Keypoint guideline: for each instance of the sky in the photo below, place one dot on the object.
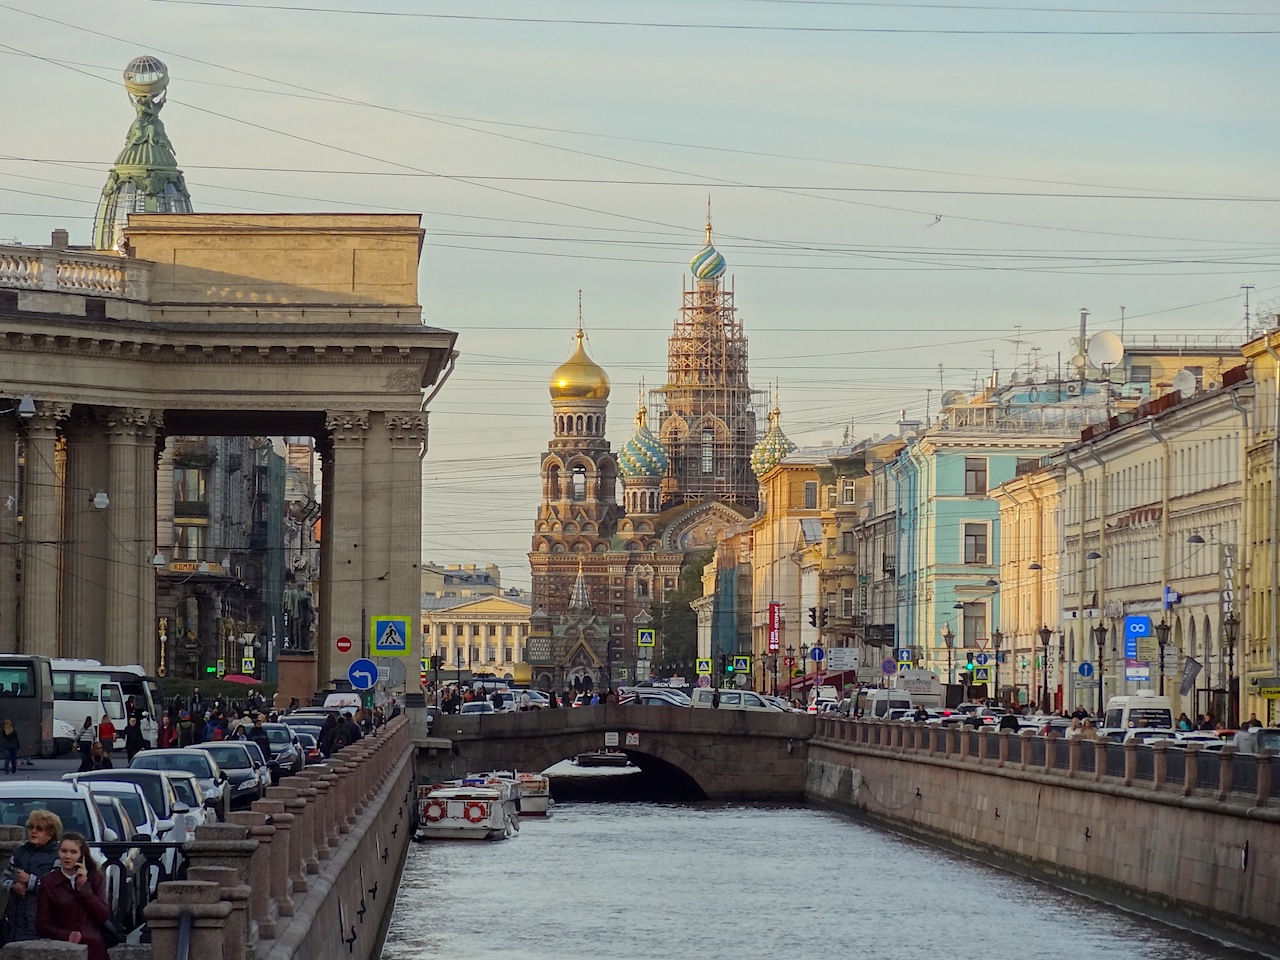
(908, 195)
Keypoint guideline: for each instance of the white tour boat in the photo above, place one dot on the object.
(534, 793)
(464, 813)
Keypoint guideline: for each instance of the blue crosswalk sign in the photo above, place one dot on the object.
(389, 636)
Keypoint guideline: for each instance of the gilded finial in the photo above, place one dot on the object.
(708, 218)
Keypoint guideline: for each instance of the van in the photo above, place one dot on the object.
(876, 704)
(343, 702)
(1143, 709)
(732, 699)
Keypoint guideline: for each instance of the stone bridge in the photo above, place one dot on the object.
(717, 754)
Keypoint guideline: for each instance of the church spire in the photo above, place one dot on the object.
(580, 599)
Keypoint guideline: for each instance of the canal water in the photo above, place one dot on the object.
(639, 881)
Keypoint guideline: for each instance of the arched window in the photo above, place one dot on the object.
(708, 451)
(579, 483)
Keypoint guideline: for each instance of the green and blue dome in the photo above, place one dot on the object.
(707, 263)
(643, 457)
(772, 448)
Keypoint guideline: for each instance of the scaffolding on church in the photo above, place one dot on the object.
(707, 412)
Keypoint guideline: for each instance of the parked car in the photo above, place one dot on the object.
(311, 752)
(130, 862)
(75, 807)
(204, 809)
(213, 781)
(146, 823)
(479, 706)
(263, 768)
(175, 818)
(286, 756)
(237, 763)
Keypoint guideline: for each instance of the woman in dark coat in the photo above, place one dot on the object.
(27, 865)
(72, 905)
(133, 739)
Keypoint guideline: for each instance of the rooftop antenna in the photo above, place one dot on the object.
(1246, 287)
(928, 396)
(1122, 323)
(940, 383)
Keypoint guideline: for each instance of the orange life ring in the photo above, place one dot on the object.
(433, 811)
(475, 811)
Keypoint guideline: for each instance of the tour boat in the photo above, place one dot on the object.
(463, 813)
(534, 796)
(602, 758)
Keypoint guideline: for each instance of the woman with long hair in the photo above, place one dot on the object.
(72, 905)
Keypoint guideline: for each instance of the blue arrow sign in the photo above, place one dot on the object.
(1085, 669)
(981, 659)
(817, 654)
(363, 674)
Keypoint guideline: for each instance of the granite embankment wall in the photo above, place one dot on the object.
(1095, 817)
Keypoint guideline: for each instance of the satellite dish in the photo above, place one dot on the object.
(955, 398)
(1184, 381)
(1105, 349)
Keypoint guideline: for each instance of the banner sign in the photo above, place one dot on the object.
(1190, 670)
(775, 624)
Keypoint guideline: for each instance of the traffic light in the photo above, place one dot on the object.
(728, 664)
(824, 618)
(969, 662)
(813, 616)
(724, 664)
(211, 669)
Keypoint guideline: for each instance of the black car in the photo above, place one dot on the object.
(241, 770)
(286, 754)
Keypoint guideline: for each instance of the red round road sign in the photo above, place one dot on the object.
(344, 644)
(788, 661)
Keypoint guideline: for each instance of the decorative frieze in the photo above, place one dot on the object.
(347, 426)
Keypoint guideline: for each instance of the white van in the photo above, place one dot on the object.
(1143, 709)
(343, 701)
(875, 704)
(732, 699)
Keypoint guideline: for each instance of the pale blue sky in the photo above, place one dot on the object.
(829, 153)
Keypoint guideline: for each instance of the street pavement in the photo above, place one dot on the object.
(34, 768)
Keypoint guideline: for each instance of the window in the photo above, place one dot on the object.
(708, 451)
(975, 623)
(846, 542)
(846, 602)
(975, 543)
(850, 492)
(493, 629)
(189, 485)
(188, 541)
(811, 495)
(1026, 465)
(579, 483)
(509, 655)
(1140, 373)
(642, 588)
(975, 476)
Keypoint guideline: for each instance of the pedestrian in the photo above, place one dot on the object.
(258, 734)
(72, 905)
(1184, 722)
(133, 739)
(168, 733)
(88, 736)
(27, 865)
(1253, 723)
(186, 730)
(9, 742)
(107, 734)
(197, 703)
(99, 759)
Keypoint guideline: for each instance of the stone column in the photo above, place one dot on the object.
(335, 812)
(210, 912)
(1100, 757)
(342, 590)
(84, 572)
(281, 888)
(407, 433)
(1073, 756)
(146, 642)
(260, 901)
(1191, 770)
(10, 499)
(235, 942)
(303, 825)
(40, 534)
(1226, 767)
(131, 578)
(319, 812)
(1160, 762)
(1003, 748)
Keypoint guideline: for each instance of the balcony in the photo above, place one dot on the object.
(888, 564)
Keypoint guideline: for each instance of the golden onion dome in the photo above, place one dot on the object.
(579, 377)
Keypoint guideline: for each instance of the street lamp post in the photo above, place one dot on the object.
(1162, 639)
(774, 657)
(1045, 636)
(791, 670)
(1100, 636)
(1231, 632)
(804, 662)
(949, 640)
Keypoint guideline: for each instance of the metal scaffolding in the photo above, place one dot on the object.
(707, 412)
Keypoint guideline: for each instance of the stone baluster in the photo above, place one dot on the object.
(260, 902)
(1073, 756)
(1263, 793)
(348, 804)
(235, 939)
(281, 853)
(304, 827)
(299, 832)
(335, 813)
(982, 747)
(203, 900)
(1024, 748)
(1191, 772)
(1003, 748)
(1160, 765)
(1100, 757)
(1051, 750)
(223, 845)
(1226, 769)
(1130, 762)
(319, 814)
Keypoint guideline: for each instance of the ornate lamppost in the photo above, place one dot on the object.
(996, 639)
(1045, 636)
(1231, 632)
(1100, 636)
(949, 641)
(1162, 640)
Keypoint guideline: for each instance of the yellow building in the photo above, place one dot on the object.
(483, 635)
(1260, 667)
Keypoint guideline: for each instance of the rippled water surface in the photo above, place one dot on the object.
(647, 880)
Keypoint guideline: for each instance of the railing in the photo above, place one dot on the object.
(1189, 771)
(64, 271)
(139, 869)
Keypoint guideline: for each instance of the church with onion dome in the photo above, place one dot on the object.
(615, 529)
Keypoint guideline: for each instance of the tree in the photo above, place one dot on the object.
(676, 622)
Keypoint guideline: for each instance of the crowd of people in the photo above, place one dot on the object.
(453, 697)
(56, 890)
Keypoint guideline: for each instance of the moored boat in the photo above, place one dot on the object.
(534, 797)
(463, 813)
(602, 758)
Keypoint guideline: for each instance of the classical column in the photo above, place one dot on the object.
(40, 531)
(408, 438)
(342, 583)
(131, 528)
(84, 571)
(8, 529)
(146, 649)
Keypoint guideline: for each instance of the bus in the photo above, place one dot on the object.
(26, 698)
(88, 688)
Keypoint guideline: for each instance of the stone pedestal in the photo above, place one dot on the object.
(297, 676)
(236, 931)
(209, 913)
(260, 903)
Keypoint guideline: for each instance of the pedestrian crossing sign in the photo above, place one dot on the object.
(645, 637)
(981, 674)
(704, 668)
(246, 665)
(741, 664)
(389, 636)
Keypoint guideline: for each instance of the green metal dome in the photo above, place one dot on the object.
(145, 178)
(773, 447)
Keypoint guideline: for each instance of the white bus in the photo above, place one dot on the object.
(87, 688)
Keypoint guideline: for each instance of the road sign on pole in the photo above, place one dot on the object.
(389, 636)
(363, 674)
(343, 644)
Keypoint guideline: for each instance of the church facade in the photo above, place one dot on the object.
(615, 529)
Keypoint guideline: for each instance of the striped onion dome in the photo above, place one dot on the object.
(643, 456)
(707, 263)
(772, 448)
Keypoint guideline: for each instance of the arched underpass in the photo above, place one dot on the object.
(648, 778)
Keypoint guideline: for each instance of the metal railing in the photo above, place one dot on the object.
(139, 869)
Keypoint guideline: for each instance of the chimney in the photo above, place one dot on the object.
(60, 239)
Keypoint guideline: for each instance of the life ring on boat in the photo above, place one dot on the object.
(475, 812)
(433, 811)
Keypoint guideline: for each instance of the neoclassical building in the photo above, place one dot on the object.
(599, 562)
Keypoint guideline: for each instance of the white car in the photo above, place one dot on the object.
(213, 781)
